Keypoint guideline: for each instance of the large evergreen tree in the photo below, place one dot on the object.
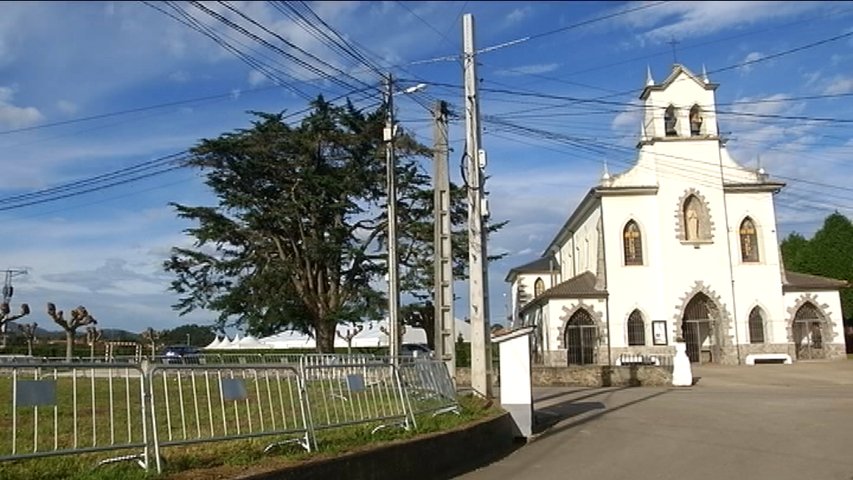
(828, 254)
(298, 234)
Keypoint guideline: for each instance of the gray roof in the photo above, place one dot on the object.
(540, 265)
(802, 281)
(580, 286)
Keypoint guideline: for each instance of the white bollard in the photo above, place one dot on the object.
(682, 374)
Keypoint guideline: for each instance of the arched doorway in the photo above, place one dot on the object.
(698, 329)
(581, 337)
(808, 334)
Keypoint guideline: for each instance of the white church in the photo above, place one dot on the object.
(683, 246)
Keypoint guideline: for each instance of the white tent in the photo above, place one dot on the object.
(250, 343)
(224, 344)
(371, 335)
(216, 343)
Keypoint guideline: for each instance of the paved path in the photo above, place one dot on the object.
(751, 423)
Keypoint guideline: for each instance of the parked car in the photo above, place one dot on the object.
(416, 350)
(181, 354)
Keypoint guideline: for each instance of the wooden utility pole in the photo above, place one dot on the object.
(477, 261)
(445, 324)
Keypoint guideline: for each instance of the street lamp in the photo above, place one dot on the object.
(393, 259)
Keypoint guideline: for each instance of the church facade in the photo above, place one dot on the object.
(683, 246)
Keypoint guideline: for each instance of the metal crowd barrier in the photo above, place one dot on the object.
(343, 394)
(59, 408)
(71, 408)
(206, 403)
(428, 387)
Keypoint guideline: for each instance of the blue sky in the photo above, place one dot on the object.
(62, 62)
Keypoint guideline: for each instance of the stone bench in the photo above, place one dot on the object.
(754, 358)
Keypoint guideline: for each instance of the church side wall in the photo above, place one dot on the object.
(585, 246)
(634, 286)
(527, 281)
(757, 284)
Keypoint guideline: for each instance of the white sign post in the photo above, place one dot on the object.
(515, 378)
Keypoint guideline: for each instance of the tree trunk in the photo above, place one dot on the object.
(325, 332)
(69, 345)
(29, 347)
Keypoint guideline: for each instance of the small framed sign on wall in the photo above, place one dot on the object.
(659, 332)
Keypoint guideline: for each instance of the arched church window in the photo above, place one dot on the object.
(756, 326)
(538, 287)
(636, 329)
(694, 213)
(670, 120)
(633, 242)
(748, 241)
(695, 121)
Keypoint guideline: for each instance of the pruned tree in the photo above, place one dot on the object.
(80, 317)
(93, 335)
(7, 317)
(350, 335)
(151, 337)
(29, 330)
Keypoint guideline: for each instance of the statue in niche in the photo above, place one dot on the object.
(695, 121)
(692, 222)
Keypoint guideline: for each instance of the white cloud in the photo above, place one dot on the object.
(535, 69)
(838, 85)
(180, 76)
(750, 57)
(682, 20)
(257, 78)
(12, 116)
(631, 118)
(65, 106)
(518, 15)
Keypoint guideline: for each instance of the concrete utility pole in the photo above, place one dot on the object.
(393, 259)
(481, 380)
(445, 325)
(8, 291)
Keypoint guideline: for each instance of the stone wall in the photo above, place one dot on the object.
(587, 376)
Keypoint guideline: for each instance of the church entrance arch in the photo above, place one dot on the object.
(581, 338)
(698, 329)
(808, 332)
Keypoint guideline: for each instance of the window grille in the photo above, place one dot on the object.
(756, 326)
(636, 329)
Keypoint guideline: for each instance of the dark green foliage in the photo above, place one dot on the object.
(198, 335)
(298, 234)
(827, 254)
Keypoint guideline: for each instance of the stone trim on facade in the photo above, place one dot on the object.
(827, 326)
(706, 223)
(600, 325)
(721, 322)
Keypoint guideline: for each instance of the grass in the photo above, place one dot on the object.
(214, 417)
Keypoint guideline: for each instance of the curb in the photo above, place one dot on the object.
(434, 456)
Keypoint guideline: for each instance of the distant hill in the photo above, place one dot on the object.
(112, 334)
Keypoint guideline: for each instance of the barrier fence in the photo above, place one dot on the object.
(62, 408)
(140, 410)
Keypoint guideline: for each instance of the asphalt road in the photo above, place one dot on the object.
(763, 422)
